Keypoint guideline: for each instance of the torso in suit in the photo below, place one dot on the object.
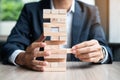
(29, 27)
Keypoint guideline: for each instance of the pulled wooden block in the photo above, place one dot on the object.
(69, 50)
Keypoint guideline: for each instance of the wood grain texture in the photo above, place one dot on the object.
(58, 37)
(55, 59)
(75, 71)
(55, 42)
(49, 25)
(45, 16)
(58, 56)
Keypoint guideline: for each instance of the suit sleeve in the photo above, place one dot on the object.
(97, 32)
(19, 38)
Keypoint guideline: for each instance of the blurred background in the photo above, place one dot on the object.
(109, 13)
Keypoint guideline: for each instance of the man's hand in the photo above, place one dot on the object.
(27, 58)
(88, 51)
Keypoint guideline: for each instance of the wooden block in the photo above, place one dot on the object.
(63, 29)
(54, 25)
(54, 29)
(52, 56)
(61, 20)
(47, 25)
(55, 34)
(55, 42)
(55, 38)
(62, 38)
(47, 29)
(56, 56)
(54, 64)
(62, 11)
(51, 47)
(57, 65)
(55, 60)
(57, 51)
(62, 64)
(69, 50)
(45, 16)
(61, 51)
(56, 11)
(55, 69)
(53, 20)
(46, 11)
(58, 20)
(61, 56)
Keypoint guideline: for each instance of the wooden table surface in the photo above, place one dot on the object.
(75, 71)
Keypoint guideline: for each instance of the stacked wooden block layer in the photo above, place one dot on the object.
(55, 27)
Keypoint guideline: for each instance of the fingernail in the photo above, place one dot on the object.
(45, 63)
(48, 53)
(73, 47)
(43, 44)
(76, 56)
(73, 51)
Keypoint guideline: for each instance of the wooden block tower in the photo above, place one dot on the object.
(55, 27)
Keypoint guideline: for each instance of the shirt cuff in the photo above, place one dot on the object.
(105, 52)
(14, 55)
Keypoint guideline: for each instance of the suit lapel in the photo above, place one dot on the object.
(44, 4)
(77, 24)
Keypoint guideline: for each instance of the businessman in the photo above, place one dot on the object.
(85, 35)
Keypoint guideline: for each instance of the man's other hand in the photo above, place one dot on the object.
(28, 58)
(88, 51)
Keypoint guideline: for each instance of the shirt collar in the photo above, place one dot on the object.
(72, 9)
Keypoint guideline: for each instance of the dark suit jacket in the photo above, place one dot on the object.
(29, 27)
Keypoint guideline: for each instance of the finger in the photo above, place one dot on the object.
(37, 45)
(38, 68)
(85, 44)
(94, 59)
(88, 55)
(42, 53)
(89, 49)
(40, 63)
